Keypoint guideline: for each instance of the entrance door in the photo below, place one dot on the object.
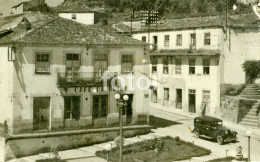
(72, 107)
(192, 101)
(100, 110)
(41, 113)
(206, 101)
(178, 98)
(129, 109)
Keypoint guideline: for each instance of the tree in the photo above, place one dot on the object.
(252, 69)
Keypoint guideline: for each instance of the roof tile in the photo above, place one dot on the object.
(64, 31)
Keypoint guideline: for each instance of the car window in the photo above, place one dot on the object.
(215, 124)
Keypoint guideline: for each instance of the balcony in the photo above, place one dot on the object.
(83, 79)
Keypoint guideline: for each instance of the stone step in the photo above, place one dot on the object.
(250, 85)
(251, 117)
(250, 93)
(250, 120)
(249, 124)
(250, 96)
(250, 89)
(251, 113)
(254, 110)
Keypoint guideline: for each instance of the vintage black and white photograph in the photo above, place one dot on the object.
(129, 80)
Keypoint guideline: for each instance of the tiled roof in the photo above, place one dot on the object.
(9, 30)
(190, 23)
(185, 52)
(80, 9)
(64, 31)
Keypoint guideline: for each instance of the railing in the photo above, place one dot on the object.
(83, 78)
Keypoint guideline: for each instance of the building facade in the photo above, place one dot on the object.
(83, 14)
(185, 67)
(194, 61)
(55, 81)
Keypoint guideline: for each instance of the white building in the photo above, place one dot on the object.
(82, 15)
(193, 60)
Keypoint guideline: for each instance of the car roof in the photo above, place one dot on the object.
(208, 118)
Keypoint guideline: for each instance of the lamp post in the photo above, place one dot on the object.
(248, 134)
(121, 103)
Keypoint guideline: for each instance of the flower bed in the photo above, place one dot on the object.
(158, 149)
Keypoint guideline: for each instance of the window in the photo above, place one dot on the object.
(42, 63)
(166, 40)
(165, 65)
(207, 39)
(72, 107)
(127, 63)
(206, 66)
(73, 16)
(154, 62)
(191, 66)
(178, 63)
(179, 40)
(144, 38)
(100, 106)
(154, 95)
(100, 62)
(72, 67)
(166, 94)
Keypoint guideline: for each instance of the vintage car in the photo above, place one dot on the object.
(210, 127)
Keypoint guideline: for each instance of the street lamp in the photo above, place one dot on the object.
(121, 103)
(248, 134)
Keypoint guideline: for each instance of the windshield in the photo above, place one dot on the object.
(216, 123)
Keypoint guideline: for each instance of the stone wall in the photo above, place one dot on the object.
(25, 145)
(233, 109)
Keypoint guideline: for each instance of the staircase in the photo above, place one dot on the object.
(251, 118)
(250, 91)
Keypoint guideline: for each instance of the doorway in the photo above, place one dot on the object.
(129, 109)
(155, 42)
(41, 113)
(179, 98)
(193, 41)
(100, 110)
(192, 101)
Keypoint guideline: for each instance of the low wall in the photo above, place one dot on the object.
(30, 144)
(234, 109)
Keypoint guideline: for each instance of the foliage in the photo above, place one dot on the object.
(158, 149)
(226, 159)
(171, 8)
(252, 69)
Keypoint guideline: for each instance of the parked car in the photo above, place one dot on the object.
(210, 127)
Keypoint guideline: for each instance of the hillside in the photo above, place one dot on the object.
(120, 10)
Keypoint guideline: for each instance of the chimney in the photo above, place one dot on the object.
(24, 25)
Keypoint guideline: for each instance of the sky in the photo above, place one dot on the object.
(6, 5)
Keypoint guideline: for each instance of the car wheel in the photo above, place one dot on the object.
(197, 134)
(220, 139)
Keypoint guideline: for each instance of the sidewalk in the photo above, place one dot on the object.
(186, 115)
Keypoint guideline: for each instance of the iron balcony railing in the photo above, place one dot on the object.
(83, 78)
